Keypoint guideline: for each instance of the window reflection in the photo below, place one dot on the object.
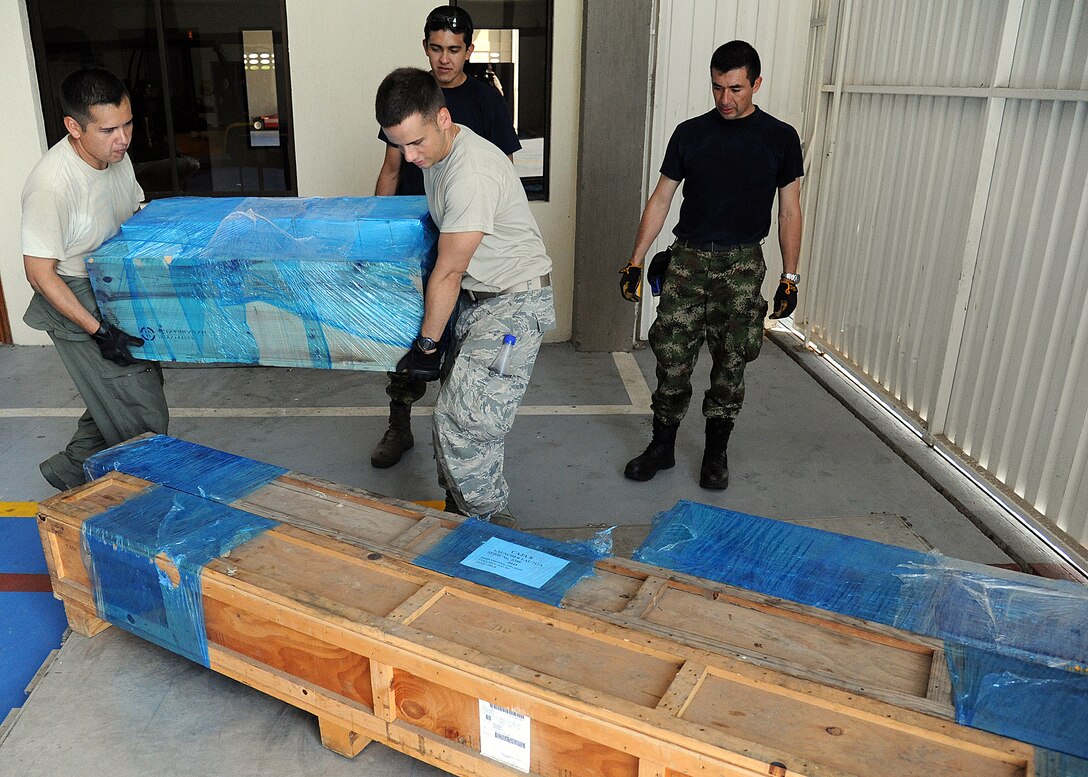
(512, 51)
(193, 98)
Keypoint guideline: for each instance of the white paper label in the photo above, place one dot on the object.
(504, 736)
(522, 565)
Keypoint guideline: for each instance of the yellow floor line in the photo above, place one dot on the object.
(434, 504)
(20, 509)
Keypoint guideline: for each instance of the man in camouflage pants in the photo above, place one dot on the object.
(491, 261)
(732, 160)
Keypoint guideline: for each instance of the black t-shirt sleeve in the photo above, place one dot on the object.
(793, 163)
(382, 137)
(673, 165)
(500, 130)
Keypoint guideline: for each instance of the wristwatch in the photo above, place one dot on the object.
(791, 276)
(425, 344)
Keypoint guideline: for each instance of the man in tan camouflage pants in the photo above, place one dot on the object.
(732, 160)
(491, 260)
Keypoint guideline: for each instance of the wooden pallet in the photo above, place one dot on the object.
(640, 673)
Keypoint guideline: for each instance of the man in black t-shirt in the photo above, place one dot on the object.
(732, 160)
(447, 41)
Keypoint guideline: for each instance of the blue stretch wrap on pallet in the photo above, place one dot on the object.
(521, 552)
(320, 282)
(130, 589)
(184, 466)
(1018, 645)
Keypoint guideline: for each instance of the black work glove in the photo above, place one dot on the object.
(113, 342)
(785, 299)
(630, 281)
(418, 365)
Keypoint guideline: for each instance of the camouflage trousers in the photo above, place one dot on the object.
(475, 408)
(712, 296)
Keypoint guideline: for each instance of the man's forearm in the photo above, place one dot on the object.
(438, 304)
(386, 185)
(653, 217)
(789, 241)
(50, 285)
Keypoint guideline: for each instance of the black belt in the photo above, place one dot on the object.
(543, 282)
(712, 246)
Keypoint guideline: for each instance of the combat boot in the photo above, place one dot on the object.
(450, 505)
(659, 454)
(714, 473)
(397, 438)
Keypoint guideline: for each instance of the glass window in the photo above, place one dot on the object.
(208, 82)
(512, 51)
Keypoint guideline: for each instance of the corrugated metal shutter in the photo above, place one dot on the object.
(947, 261)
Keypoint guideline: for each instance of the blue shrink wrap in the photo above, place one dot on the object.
(320, 282)
(184, 466)
(124, 545)
(1016, 645)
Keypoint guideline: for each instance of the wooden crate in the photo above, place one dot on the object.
(638, 675)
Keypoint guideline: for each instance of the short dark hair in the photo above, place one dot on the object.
(406, 91)
(452, 18)
(734, 54)
(91, 86)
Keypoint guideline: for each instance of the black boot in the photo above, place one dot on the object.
(451, 504)
(658, 454)
(397, 438)
(714, 473)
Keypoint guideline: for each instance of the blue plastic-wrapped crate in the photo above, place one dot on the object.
(317, 282)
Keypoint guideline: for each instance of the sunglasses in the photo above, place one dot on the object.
(442, 19)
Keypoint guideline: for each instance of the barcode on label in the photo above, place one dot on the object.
(510, 740)
(517, 715)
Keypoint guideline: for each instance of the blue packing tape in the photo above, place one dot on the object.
(132, 592)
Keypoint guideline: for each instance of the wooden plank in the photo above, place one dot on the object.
(405, 657)
(341, 739)
(683, 688)
(646, 599)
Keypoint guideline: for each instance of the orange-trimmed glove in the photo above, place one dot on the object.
(631, 282)
(785, 298)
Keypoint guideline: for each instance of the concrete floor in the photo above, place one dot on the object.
(130, 708)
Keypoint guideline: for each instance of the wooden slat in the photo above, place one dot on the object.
(646, 598)
(683, 688)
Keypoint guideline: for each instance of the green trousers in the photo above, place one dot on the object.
(122, 402)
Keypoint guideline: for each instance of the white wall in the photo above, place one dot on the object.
(22, 137)
(338, 50)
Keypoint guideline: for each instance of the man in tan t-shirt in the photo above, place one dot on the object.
(491, 260)
(75, 198)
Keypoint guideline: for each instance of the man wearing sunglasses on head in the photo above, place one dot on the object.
(447, 41)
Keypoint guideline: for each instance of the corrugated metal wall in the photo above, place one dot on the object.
(688, 31)
(947, 261)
